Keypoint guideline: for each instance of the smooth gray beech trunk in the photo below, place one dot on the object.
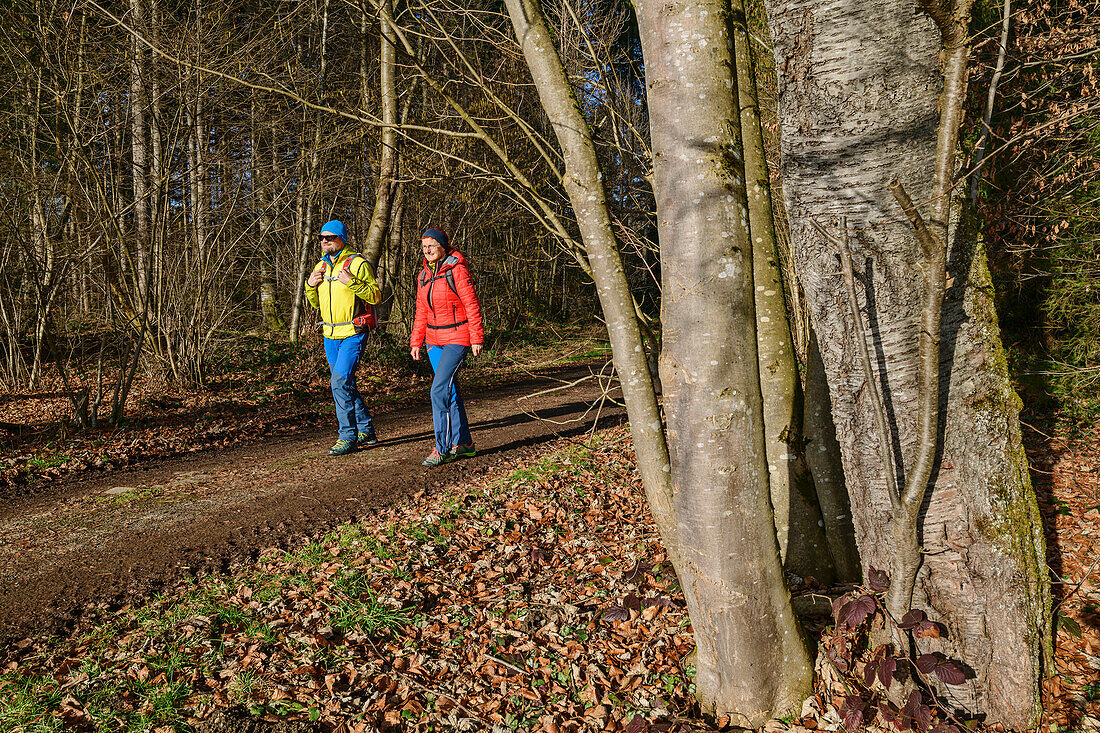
(798, 523)
(584, 184)
(859, 92)
(387, 167)
(751, 658)
(712, 509)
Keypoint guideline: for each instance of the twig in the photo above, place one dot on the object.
(987, 130)
(886, 455)
(512, 667)
(924, 236)
(555, 389)
(1077, 587)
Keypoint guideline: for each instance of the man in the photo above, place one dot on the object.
(342, 287)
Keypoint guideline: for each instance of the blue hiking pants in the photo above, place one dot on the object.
(351, 411)
(448, 412)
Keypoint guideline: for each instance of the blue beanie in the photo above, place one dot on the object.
(337, 228)
(438, 235)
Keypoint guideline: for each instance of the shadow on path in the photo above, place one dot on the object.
(119, 536)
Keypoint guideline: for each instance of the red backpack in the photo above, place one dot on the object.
(365, 319)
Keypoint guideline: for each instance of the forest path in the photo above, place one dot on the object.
(116, 537)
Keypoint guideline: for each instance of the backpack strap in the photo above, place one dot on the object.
(347, 263)
(448, 276)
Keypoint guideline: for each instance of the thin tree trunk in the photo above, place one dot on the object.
(138, 155)
(395, 304)
(383, 195)
(584, 185)
(42, 246)
(798, 523)
(305, 244)
(309, 191)
(156, 176)
(264, 196)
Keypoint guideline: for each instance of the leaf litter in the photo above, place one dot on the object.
(1067, 483)
(541, 601)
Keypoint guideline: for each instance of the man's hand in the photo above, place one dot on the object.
(344, 276)
(475, 349)
(316, 277)
(415, 352)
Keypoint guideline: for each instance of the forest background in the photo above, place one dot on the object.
(170, 165)
(156, 200)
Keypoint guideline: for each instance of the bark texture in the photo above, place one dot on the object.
(584, 184)
(751, 659)
(859, 86)
(798, 522)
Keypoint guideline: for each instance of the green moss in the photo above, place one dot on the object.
(731, 163)
(1014, 526)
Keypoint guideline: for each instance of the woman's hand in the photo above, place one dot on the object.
(475, 349)
(415, 352)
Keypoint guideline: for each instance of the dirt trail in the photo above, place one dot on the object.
(119, 535)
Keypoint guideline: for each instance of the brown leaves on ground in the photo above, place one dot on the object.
(1068, 486)
(543, 601)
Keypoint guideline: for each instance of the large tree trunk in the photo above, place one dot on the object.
(859, 88)
(752, 661)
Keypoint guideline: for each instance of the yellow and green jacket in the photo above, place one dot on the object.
(339, 303)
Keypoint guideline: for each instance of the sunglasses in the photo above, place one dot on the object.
(328, 237)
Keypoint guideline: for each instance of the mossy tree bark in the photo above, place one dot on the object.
(860, 87)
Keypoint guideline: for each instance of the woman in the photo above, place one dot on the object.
(448, 320)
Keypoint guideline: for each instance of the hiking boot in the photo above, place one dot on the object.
(342, 447)
(462, 451)
(368, 439)
(435, 458)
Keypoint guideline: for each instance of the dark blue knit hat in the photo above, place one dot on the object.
(438, 235)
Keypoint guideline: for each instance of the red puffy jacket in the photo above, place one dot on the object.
(447, 311)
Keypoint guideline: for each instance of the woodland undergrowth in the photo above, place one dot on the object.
(539, 598)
